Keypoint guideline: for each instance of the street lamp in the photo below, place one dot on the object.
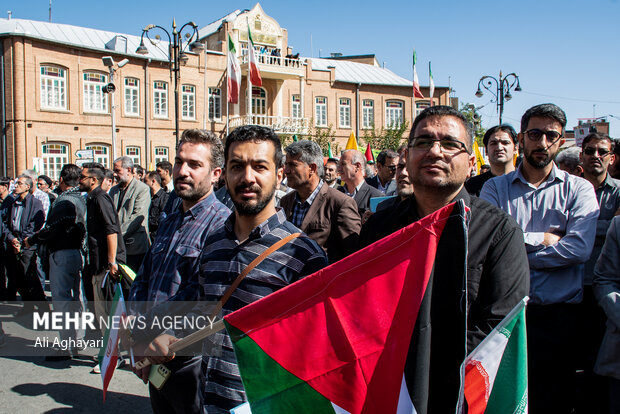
(502, 89)
(110, 88)
(177, 55)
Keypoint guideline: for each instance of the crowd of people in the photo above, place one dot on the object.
(536, 227)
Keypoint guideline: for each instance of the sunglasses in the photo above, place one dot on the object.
(537, 134)
(601, 151)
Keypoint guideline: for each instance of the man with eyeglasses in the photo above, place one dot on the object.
(386, 170)
(451, 323)
(596, 156)
(557, 212)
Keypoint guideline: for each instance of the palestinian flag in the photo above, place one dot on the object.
(431, 84)
(417, 93)
(252, 62)
(369, 154)
(496, 371)
(233, 73)
(338, 341)
(108, 354)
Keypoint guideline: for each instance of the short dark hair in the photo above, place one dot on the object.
(444, 110)
(546, 110)
(137, 169)
(202, 136)
(385, 154)
(154, 175)
(70, 174)
(309, 152)
(5, 181)
(598, 136)
(503, 127)
(109, 174)
(256, 134)
(96, 170)
(616, 147)
(164, 165)
(334, 160)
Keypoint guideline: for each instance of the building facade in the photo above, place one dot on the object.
(54, 100)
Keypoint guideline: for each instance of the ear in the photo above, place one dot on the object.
(280, 175)
(313, 168)
(215, 175)
(520, 139)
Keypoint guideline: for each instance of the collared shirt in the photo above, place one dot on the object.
(357, 188)
(172, 261)
(301, 209)
(381, 187)
(608, 197)
(221, 261)
(563, 203)
(16, 213)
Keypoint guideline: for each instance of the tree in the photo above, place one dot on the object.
(322, 136)
(390, 138)
(471, 113)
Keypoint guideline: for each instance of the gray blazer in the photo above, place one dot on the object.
(606, 287)
(133, 216)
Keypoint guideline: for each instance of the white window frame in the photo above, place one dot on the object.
(320, 111)
(393, 114)
(368, 113)
(162, 156)
(296, 106)
(53, 87)
(133, 152)
(420, 106)
(188, 102)
(160, 99)
(344, 113)
(95, 100)
(102, 153)
(132, 97)
(54, 161)
(215, 104)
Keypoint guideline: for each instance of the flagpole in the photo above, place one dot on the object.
(249, 78)
(227, 86)
(413, 88)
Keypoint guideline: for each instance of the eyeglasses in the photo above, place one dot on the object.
(537, 134)
(600, 151)
(392, 168)
(448, 146)
(19, 183)
(82, 176)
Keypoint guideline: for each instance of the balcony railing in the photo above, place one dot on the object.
(281, 124)
(278, 61)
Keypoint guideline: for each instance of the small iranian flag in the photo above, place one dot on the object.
(329, 150)
(417, 93)
(233, 74)
(108, 354)
(253, 64)
(431, 84)
(496, 371)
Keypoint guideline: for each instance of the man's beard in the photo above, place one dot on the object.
(245, 208)
(191, 194)
(538, 164)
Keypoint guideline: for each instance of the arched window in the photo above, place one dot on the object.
(95, 100)
(393, 114)
(160, 99)
(102, 154)
(133, 152)
(188, 101)
(132, 96)
(161, 154)
(54, 155)
(344, 113)
(53, 87)
(320, 111)
(368, 113)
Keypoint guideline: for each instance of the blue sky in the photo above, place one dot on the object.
(565, 52)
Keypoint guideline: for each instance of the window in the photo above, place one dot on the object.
(296, 107)
(188, 102)
(94, 98)
(53, 84)
(54, 157)
(320, 111)
(393, 114)
(132, 96)
(102, 154)
(215, 103)
(344, 113)
(133, 153)
(160, 99)
(161, 154)
(420, 106)
(368, 113)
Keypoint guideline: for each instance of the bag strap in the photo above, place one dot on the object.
(248, 269)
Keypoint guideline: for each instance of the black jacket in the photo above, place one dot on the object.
(496, 279)
(102, 219)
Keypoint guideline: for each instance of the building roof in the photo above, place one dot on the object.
(211, 28)
(353, 72)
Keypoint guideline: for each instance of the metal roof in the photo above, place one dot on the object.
(353, 72)
(213, 27)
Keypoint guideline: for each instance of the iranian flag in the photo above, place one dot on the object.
(496, 371)
(431, 84)
(417, 93)
(108, 354)
(233, 73)
(337, 341)
(252, 62)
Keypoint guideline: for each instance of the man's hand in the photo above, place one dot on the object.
(17, 246)
(158, 351)
(138, 354)
(551, 239)
(113, 268)
(366, 216)
(26, 243)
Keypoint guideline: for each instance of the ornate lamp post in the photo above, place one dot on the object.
(177, 55)
(502, 89)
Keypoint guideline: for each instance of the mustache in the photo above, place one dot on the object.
(254, 188)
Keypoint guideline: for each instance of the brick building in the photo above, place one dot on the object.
(52, 82)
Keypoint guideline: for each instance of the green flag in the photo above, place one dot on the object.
(329, 150)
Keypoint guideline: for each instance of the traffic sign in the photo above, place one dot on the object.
(85, 153)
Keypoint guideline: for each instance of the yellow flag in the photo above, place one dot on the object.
(479, 160)
(352, 142)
